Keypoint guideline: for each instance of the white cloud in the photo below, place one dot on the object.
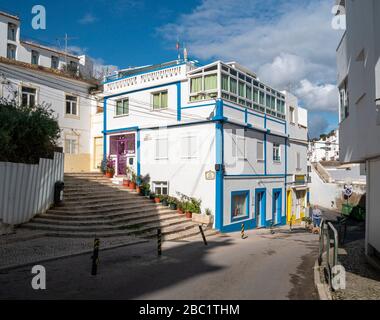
(322, 97)
(88, 18)
(290, 44)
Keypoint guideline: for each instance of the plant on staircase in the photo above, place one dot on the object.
(110, 167)
(127, 179)
(133, 184)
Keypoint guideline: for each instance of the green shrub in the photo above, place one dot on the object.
(27, 133)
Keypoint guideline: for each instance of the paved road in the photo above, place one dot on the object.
(263, 266)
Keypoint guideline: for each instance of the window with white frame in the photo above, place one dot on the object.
(189, 147)
(71, 145)
(72, 105)
(35, 57)
(160, 187)
(298, 161)
(122, 107)
(204, 84)
(28, 96)
(276, 152)
(260, 151)
(160, 100)
(54, 62)
(12, 30)
(161, 148)
(11, 51)
(241, 148)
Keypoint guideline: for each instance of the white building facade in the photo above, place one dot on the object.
(33, 74)
(215, 133)
(325, 149)
(358, 58)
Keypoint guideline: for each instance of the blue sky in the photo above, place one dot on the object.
(289, 43)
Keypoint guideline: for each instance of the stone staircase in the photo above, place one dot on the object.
(94, 206)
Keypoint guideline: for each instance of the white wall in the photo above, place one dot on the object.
(51, 90)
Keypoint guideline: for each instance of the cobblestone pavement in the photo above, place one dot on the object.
(362, 280)
(27, 247)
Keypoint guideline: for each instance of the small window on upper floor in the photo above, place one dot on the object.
(35, 57)
(160, 100)
(54, 62)
(28, 96)
(72, 105)
(12, 31)
(11, 51)
(276, 152)
(122, 107)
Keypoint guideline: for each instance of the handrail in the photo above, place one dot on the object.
(325, 246)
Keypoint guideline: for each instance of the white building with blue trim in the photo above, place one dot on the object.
(213, 132)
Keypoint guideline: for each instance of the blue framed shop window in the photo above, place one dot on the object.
(276, 206)
(239, 205)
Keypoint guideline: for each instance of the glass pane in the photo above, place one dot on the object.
(164, 100)
(233, 85)
(125, 106)
(241, 89)
(156, 101)
(225, 82)
(32, 100)
(24, 100)
(210, 82)
(68, 107)
(119, 108)
(196, 84)
(262, 95)
(239, 205)
(249, 93)
(74, 108)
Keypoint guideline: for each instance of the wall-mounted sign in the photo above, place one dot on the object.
(210, 175)
(147, 137)
(348, 190)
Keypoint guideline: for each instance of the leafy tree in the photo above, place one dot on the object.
(27, 133)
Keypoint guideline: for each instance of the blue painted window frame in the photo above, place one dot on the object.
(247, 197)
(263, 216)
(277, 190)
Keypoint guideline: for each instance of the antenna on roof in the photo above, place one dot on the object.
(66, 38)
(178, 47)
(185, 53)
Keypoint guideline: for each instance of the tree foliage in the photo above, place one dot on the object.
(27, 133)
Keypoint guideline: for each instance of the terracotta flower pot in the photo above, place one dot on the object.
(157, 200)
(132, 185)
(109, 175)
(189, 215)
(138, 190)
(126, 183)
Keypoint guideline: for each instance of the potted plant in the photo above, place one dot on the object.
(132, 184)
(103, 166)
(165, 200)
(193, 208)
(180, 207)
(172, 203)
(188, 208)
(110, 168)
(157, 199)
(152, 196)
(127, 180)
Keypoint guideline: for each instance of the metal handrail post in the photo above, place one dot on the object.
(335, 255)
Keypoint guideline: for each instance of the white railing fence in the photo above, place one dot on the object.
(26, 190)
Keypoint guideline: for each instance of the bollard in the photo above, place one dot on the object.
(203, 235)
(243, 236)
(159, 251)
(95, 257)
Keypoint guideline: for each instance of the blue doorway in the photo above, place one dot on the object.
(260, 207)
(277, 206)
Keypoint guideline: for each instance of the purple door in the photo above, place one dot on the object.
(122, 146)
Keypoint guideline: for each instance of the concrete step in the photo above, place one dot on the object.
(119, 208)
(106, 203)
(144, 232)
(126, 219)
(88, 217)
(131, 225)
(96, 194)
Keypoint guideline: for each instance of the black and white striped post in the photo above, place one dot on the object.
(95, 257)
(203, 235)
(242, 231)
(159, 242)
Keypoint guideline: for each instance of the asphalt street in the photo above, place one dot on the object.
(262, 266)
